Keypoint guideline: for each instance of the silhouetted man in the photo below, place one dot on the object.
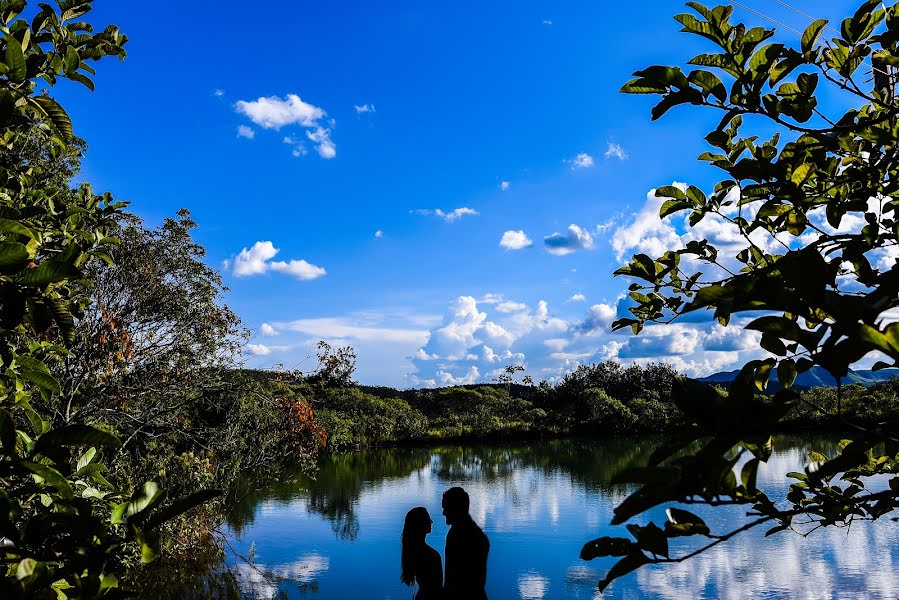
(465, 572)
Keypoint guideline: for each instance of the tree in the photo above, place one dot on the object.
(156, 337)
(62, 524)
(817, 209)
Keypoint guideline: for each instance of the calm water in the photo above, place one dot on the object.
(337, 537)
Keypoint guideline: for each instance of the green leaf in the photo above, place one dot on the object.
(606, 546)
(683, 523)
(29, 571)
(180, 507)
(85, 459)
(7, 433)
(811, 35)
(71, 61)
(650, 538)
(50, 271)
(13, 254)
(672, 206)
(623, 567)
(710, 83)
(143, 500)
(15, 60)
(748, 474)
(76, 435)
(57, 115)
(41, 379)
(670, 191)
(62, 316)
(786, 372)
(643, 85)
(52, 477)
(11, 226)
(802, 173)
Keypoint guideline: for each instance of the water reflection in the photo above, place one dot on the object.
(532, 586)
(265, 582)
(337, 536)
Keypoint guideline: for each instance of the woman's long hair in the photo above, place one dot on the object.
(415, 529)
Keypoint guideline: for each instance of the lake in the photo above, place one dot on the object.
(338, 536)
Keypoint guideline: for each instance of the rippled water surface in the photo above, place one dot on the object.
(337, 536)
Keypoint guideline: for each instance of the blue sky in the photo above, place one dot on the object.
(447, 187)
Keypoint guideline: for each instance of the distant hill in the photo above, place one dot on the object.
(814, 377)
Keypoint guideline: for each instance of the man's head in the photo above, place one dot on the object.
(455, 504)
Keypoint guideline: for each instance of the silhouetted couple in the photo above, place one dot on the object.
(466, 553)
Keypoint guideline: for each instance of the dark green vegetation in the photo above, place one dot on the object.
(601, 399)
(119, 407)
(816, 204)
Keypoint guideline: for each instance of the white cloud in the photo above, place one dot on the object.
(245, 132)
(351, 329)
(504, 185)
(492, 299)
(599, 317)
(509, 306)
(379, 234)
(451, 216)
(646, 233)
(364, 108)
(615, 151)
(298, 268)
(547, 22)
(274, 113)
(258, 259)
(321, 137)
(515, 240)
(488, 333)
(577, 298)
(576, 238)
(218, 93)
(258, 349)
(447, 379)
(266, 329)
(581, 161)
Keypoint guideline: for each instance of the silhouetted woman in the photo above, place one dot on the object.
(420, 562)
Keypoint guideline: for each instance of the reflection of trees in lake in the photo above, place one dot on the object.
(592, 463)
(341, 478)
(334, 491)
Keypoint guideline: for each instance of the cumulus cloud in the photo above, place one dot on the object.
(615, 151)
(599, 317)
(646, 233)
(451, 216)
(492, 332)
(379, 234)
(504, 185)
(581, 161)
(272, 112)
(218, 93)
(266, 329)
(364, 108)
(258, 349)
(245, 132)
(257, 260)
(577, 298)
(576, 238)
(515, 240)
